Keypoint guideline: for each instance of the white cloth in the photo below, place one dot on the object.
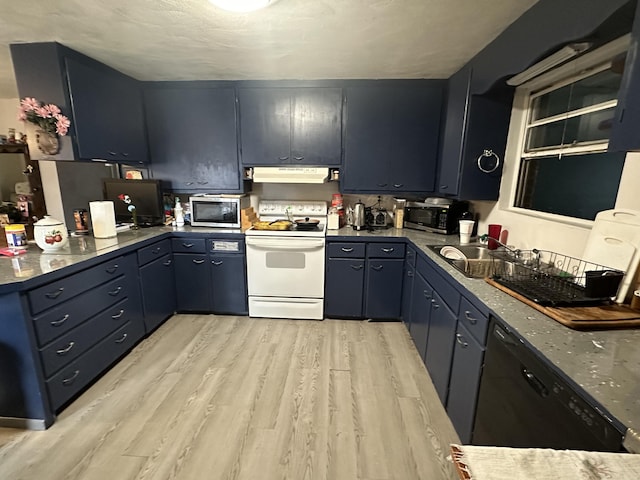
(502, 463)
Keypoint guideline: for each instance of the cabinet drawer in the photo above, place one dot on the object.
(64, 289)
(474, 321)
(59, 320)
(345, 250)
(447, 292)
(188, 245)
(157, 250)
(82, 371)
(68, 347)
(385, 250)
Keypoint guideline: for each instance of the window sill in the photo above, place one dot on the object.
(575, 222)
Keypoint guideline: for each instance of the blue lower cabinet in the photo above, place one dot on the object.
(157, 279)
(466, 369)
(420, 309)
(442, 331)
(193, 282)
(229, 284)
(383, 288)
(344, 287)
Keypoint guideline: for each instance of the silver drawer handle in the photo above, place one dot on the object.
(198, 262)
(382, 184)
(472, 320)
(377, 268)
(461, 341)
(398, 185)
(282, 159)
(112, 269)
(156, 250)
(426, 294)
(57, 323)
(410, 273)
(55, 294)
(118, 315)
(388, 250)
(115, 292)
(434, 304)
(64, 351)
(120, 340)
(216, 263)
(68, 381)
(187, 245)
(347, 250)
(298, 159)
(356, 267)
(167, 263)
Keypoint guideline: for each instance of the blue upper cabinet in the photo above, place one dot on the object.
(624, 135)
(391, 136)
(198, 153)
(104, 105)
(291, 126)
(474, 140)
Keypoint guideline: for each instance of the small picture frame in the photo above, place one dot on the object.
(4, 219)
(133, 173)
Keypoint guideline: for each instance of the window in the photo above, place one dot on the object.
(565, 168)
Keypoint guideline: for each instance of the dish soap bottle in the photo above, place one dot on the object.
(178, 213)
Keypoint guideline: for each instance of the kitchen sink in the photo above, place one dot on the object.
(478, 262)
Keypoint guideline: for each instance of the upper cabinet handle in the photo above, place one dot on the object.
(216, 263)
(357, 267)
(298, 159)
(488, 153)
(283, 159)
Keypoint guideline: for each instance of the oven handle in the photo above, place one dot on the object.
(285, 244)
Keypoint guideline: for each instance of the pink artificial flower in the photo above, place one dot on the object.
(28, 104)
(42, 112)
(53, 109)
(62, 124)
(22, 116)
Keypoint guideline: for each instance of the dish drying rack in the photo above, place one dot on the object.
(552, 279)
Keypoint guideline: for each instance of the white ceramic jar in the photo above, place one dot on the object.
(50, 234)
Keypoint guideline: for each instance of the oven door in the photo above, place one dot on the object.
(285, 267)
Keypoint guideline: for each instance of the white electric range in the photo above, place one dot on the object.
(285, 268)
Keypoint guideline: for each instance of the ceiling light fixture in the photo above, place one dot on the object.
(242, 5)
(561, 56)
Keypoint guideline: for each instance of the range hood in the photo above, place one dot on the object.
(290, 174)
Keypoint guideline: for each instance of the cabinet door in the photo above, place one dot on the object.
(468, 356)
(624, 134)
(392, 137)
(344, 286)
(407, 290)
(200, 151)
(421, 297)
(316, 126)
(229, 284)
(193, 282)
(265, 125)
(107, 113)
(383, 288)
(158, 291)
(454, 131)
(442, 331)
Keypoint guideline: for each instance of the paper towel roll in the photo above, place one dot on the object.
(103, 218)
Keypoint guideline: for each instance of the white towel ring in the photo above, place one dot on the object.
(485, 154)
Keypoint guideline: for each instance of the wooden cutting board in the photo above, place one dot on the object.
(583, 318)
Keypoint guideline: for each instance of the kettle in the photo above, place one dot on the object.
(359, 217)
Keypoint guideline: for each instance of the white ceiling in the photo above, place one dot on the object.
(292, 39)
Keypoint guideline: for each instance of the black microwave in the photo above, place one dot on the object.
(432, 217)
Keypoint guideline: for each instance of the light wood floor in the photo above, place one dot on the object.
(219, 397)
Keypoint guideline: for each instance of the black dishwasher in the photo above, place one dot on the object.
(523, 403)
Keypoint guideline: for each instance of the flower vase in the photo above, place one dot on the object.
(134, 217)
(47, 142)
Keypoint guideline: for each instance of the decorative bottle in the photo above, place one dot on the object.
(178, 213)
